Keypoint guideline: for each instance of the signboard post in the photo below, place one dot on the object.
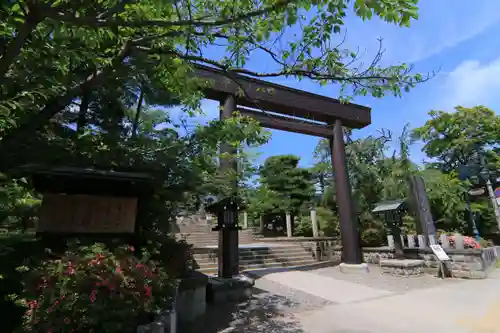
(420, 202)
(442, 258)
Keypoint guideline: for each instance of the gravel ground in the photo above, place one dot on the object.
(376, 279)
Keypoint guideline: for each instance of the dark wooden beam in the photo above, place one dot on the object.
(228, 259)
(280, 99)
(288, 124)
(349, 232)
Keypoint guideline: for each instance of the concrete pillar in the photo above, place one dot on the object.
(261, 225)
(314, 222)
(288, 225)
(402, 241)
(245, 220)
(411, 241)
(459, 241)
(351, 247)
(422, 242)
(390, 241)
(445, 243)
(432, 240)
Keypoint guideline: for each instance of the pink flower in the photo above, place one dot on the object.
(148, 291)
(70, 271)
(131, 248)
(94, 262)
(92, 296)
(33, 304)
(118, 270)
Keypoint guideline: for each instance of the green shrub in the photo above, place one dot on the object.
(328, 222)
(93, 289)
(373, 231)
(372, 237)
(485, 243)
(14, 248)
(303, 227)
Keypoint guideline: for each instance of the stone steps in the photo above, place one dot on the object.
(212, 270)
(258, 258)
(202, 237)
(254, 256)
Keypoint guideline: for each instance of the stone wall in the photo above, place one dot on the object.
(189, 306)
(465, 263)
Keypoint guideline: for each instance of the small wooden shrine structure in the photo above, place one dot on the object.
(392, 212)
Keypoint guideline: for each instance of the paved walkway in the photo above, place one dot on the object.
(327, 301)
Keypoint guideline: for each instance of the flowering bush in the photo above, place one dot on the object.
(469, 242)
(93, 289)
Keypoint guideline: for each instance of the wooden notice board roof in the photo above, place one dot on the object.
(71, 180)
(281, 99)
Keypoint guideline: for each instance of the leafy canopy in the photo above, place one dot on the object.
(52, 50)
(453, 138)
(285, 187)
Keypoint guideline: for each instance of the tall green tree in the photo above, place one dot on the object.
(453, 137)
(287, 186)
(53, 53)
(322, 169)
(446, 200)
(398, 169)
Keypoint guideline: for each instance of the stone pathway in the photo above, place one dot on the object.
(327, 301)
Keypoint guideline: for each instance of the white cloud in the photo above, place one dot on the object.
(441, 25)
(471, 83)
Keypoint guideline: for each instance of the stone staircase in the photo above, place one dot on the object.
(254, 252)
(201, 235)
(258, 257)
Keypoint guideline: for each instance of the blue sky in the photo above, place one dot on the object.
(456, 38)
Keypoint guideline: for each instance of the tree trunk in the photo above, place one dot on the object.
(82, 113)
(322, 183)
(135, 124)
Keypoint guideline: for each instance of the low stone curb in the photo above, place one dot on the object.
(256, 273)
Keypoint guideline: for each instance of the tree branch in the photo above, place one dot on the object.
(14, 47)
(56, 104)
(196, 22)
(118, 8)
(314, 75)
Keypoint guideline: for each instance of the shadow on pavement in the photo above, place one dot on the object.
(262, 313)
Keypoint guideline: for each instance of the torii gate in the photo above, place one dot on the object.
(318, 116)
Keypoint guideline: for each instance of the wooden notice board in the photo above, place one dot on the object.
(87, 214)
